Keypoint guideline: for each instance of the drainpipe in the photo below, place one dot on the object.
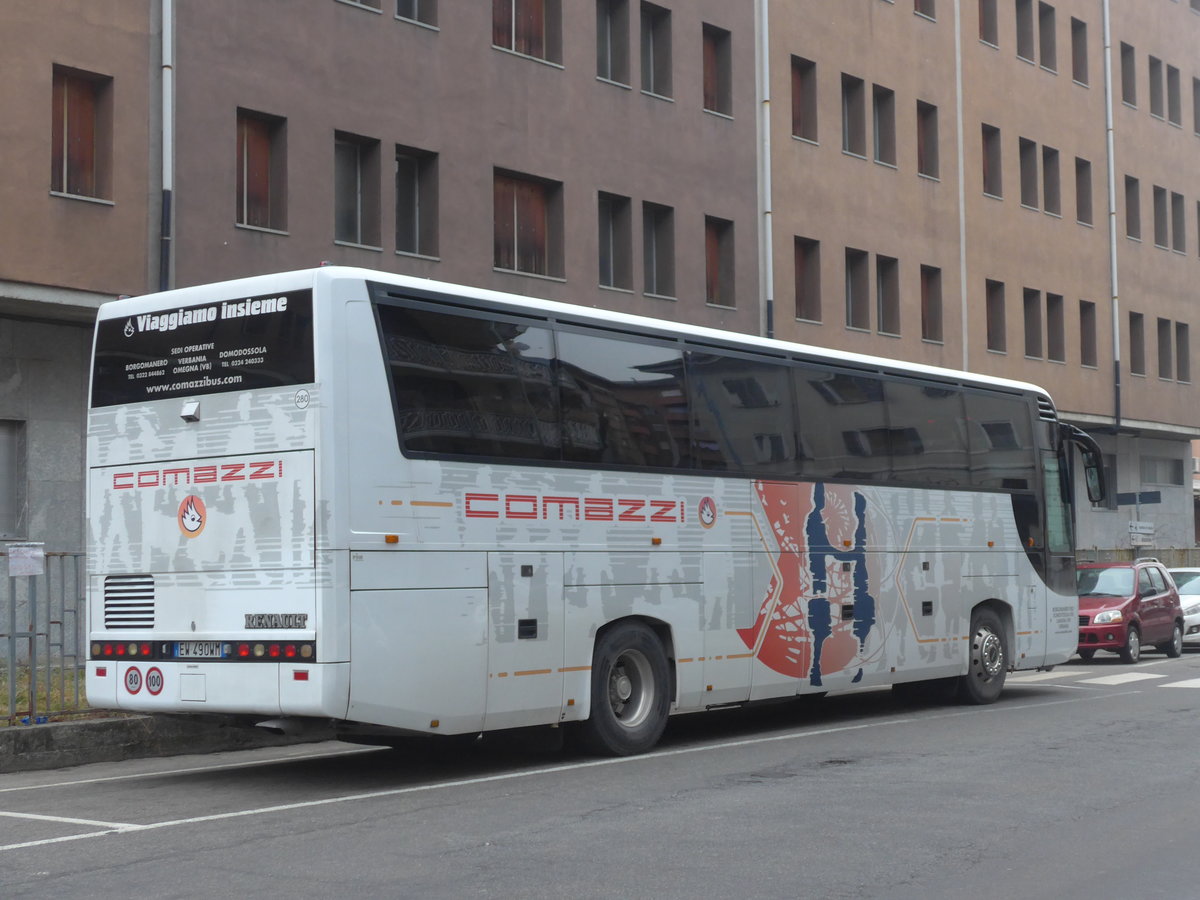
(1112, 217)
(168, 142)
(766, 256)
(962, 199)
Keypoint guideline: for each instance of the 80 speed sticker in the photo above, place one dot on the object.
(133, 679)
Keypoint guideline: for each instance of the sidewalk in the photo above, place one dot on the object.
(56, 745)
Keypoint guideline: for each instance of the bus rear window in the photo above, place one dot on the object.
(227, 345)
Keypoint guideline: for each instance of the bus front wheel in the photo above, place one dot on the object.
(630, 692)
(988, 657)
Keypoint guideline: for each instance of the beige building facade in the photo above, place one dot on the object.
(924, 180)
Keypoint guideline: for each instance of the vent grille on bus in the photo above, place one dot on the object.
(129, 601)
(1046, 411)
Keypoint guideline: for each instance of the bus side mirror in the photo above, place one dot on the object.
(1093, 476)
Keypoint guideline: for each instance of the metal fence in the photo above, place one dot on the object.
(42, 644)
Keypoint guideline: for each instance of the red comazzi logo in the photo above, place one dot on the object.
(259, 470)
(585, 509)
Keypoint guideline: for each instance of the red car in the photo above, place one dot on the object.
(1124, 605)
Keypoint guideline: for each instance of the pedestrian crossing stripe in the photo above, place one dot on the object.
(1190, 683)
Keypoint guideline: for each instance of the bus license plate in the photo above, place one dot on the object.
(198, 650)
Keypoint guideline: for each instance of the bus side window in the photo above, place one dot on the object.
(472, 386)
(742, 415)
(624, 401)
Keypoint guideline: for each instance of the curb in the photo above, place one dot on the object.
(59, 744)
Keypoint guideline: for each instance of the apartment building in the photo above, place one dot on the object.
(922, 180)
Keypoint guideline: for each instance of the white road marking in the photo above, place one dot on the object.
(120, 826)
(1123, 678)
(1190, 683)
(1041, 676)
(549, 770)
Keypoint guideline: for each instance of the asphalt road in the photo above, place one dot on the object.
(1078, 783)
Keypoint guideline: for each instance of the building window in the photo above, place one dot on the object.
(612, 40)
(355, 189)
(261, 170)
(1056, 329)
(1196, 106)
(1183, 355)
(423, 11)
(1174, 101)
(13, 476)
(1128, 75)
(1166, 346)
(854, 116)
(927, 140)
(528, 225)
(1133, 208)
(884, 113)
(1087, 334)
(887, 294)
(718, 262)
(416, 201)
(718, 71)
(1083, 191)
(529, 27)
(989, 24)
(858, 310)
(1161, 227)
(1025, 46)
(656, 50)
(658, 249)
(616, 241)
(926, 8)
(1033, 323)
(367, 4)
(931, 304)
(1137, 344)
(1161, 470)
(1156, 87)
(1047, 43)
(81, 134)
(804, 98)
(1029, 173)
(993, 184)
(1178, 229)
(808, 279)
(997, 339)
(1051, 188)
(1079, 51)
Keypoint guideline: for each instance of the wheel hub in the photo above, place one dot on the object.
(991, 653)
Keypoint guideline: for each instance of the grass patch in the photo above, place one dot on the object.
(57, 693)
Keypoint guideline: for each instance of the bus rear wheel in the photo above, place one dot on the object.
(630, 692)
(988, 657)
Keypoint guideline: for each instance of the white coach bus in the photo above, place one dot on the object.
(406, 507)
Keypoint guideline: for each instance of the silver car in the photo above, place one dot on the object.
(1188, 582)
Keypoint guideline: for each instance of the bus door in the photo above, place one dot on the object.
(525, 639)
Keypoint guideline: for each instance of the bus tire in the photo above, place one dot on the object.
(988, 659)
(631, 684)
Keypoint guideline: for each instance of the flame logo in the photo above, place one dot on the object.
(708, 512)
(192, 516)
(129, 328)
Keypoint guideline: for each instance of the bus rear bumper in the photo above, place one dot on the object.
(254, 689)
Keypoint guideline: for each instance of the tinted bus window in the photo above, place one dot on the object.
(623, 402)
(1000, 438)
(470, 386)
(929, 438)
(742, 414)
(843, 425)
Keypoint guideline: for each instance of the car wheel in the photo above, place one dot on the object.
(631, 684)
(1087, 653)
(1132, 651)
(1174, 647)
(988, 660)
